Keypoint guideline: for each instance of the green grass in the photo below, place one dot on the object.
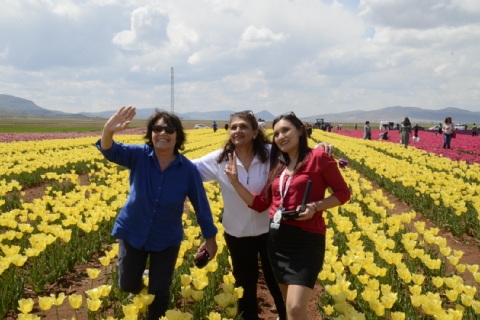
(48, 129)
(40, 123)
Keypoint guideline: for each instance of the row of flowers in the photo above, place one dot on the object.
(377, 267)
(441, 189)
(40, 241)
(463, 148)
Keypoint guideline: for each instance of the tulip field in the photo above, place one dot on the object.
(377, 264)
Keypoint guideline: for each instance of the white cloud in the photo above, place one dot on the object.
(147, 30)
(278, 55)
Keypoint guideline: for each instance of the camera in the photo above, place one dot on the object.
(294, 214)
(201, 259)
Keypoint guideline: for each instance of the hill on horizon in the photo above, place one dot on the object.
(399, 113)
(11, 106)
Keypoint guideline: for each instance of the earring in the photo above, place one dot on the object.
(254, 137)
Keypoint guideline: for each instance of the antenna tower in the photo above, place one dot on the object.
(172, 106)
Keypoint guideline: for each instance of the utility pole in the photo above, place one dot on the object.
(172, 106)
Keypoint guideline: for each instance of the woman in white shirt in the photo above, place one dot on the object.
(246, 230)
(448, 129)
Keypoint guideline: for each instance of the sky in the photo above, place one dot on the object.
(308, 56)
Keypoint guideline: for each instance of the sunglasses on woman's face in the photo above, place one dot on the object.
(159, 129)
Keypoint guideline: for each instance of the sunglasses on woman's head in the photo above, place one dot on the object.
(287, 114)
(159, 129)
(242, 112)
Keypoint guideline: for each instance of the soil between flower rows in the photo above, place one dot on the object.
(78, 282)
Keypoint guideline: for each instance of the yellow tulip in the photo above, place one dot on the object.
(467, 300)
(223, 299)
(105, 261)
(472, 268)
(452, 295)
(228, 288)
(94, 293)
(197, 295)
(45, 303)
(75, 301)
(59, 300)
(214, 316)
(453, 260)
(470, 290)
(25, 305)
(186, 291)
(239, 292)
(476, 306)
(398, 315)
(445, 251)
(130, 309)
(186, 279)
(105, 290)
(389, 299)
(22, 316)
(93, 273)
(328, 309)
(94, 304)
(416, 290)
(418, 278)
(232, 312)
(437, 281)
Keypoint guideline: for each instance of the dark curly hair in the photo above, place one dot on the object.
(280, 159)
(258, 143)
(171, 120)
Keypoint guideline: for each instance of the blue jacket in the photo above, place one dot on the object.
(152, 215)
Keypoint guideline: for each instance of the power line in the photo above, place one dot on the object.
(172, 106)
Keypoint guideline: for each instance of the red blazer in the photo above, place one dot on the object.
(323, 171)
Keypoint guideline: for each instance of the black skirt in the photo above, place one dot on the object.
(296, 255)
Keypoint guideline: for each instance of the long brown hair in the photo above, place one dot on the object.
(280, 159)
(258, 143)
(173, 121)
(448, 120)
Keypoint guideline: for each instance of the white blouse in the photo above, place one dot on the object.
(238, 219)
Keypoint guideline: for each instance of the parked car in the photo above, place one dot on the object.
(434, 127)
(388, 125)
(460, 126)
(201, 126)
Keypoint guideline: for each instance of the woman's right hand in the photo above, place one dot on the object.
(120, 120)
(231, 169)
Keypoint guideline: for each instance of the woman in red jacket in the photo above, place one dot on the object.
(296, 248)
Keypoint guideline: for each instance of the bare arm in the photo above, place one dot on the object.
(118, 122)
(232, 174)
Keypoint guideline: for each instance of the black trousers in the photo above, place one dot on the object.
(474, 134)
(132, 262)
(244, 252)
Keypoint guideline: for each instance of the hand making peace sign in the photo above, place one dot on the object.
(231, 169)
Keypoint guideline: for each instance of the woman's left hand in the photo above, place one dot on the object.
(307, 214)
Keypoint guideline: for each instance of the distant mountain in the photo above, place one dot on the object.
(265, 115)
(223, 115)
(399, 113)
(11, 106)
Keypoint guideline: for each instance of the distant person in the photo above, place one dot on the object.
(466, 127)
(261, 124)
(340, 125)
(440, 128)
(474, 130)
(309, 130)
(329, 128)
(398, 126)
(448, 129)
(384, 136)
(355, 126)
(226, 126)
(367, 131)
(214, 125)
(416, 131)
(406, 131)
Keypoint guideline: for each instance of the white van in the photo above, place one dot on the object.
(388, 125)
